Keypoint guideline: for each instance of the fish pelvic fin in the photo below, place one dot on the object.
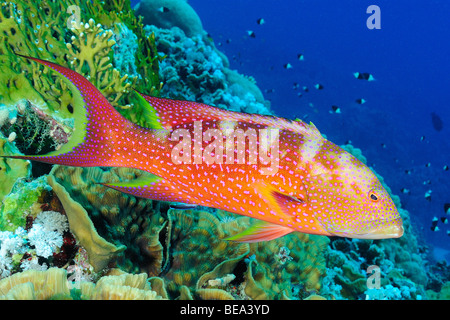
(261, 231)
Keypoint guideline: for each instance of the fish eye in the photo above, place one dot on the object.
(373, 196)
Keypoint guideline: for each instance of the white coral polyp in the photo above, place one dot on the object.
(46, 233)
(52, 221)
(46, 242)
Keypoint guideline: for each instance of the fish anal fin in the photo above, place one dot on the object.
(149, 186)
(261, 231)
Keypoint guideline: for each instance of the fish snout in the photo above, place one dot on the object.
(393, 231)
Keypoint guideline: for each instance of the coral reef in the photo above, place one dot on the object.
(11, 170)
(53, 284)
(119, 286)
(177, 13)
(100, 251)
(194, 69)
(35, 285)
(64, 235)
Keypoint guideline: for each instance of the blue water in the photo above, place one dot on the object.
(408, 57)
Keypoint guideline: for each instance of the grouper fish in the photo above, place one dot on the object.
(282, 172)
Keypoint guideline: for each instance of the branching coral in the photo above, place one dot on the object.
(90, 52)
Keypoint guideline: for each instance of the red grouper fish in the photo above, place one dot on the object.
(281, 172)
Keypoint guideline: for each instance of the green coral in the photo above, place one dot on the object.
(25, 199)
(10, 169)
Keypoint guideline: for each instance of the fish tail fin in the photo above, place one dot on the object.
(97, 125)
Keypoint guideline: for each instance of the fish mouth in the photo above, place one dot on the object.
(395, 231)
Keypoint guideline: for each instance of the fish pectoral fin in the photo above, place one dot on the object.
(261, 231)
(282, 203)
(149, 186)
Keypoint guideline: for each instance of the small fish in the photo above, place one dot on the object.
(163, 9)
(260, 21)
(447, 208)
(295, 86)
(251, 34)
(360, 101)
(428, 195)
(437, 122)
(300, 57)
(435, 228)
(422, 138)
(383, 145)
(408, 171)
(445, 168)
(426, 182)
(305, 88)
(335, 109)
(405, 191)
(318, 86)
(287, 66)
(364, 76)
(428, 164)
(448, 232)
(444, 220)
(296, 181)
(300, 94)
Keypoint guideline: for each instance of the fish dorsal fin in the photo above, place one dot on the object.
(172, 113)
(177, 112)
(149, 113)
(314, 129)
(261, 231)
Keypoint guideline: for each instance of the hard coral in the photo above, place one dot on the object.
(194, 69)
(99, 250)
(10, 169)
(90, 53)
(35, 285)
(179, 14)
